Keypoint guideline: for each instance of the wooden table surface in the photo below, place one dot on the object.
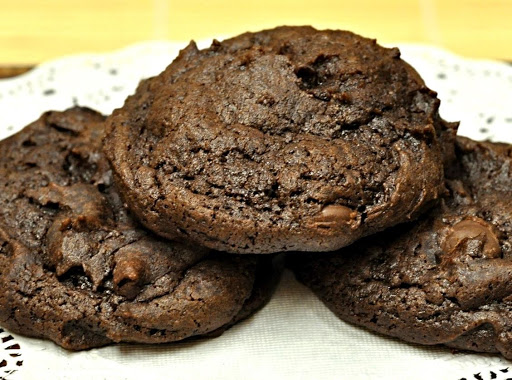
(32, 31)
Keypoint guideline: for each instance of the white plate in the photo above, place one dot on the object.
(295, 336)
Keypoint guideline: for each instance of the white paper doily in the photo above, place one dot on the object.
(294, 336)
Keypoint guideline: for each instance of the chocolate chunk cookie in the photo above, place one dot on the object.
(76, 268)
(445, 279)
(286, 139)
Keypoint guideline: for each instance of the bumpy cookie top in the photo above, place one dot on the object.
(76, 268)
(286, 139)
(443, 279)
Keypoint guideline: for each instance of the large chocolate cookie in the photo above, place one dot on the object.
(286, 139)
(445, 279)
(75, 268)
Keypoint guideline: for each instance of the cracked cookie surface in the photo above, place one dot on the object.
(77, 269)
(281, 140)
(444, 279)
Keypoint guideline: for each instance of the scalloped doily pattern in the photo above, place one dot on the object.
(11, 359)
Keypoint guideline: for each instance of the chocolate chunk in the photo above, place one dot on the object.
(334, 216)
(474, 229)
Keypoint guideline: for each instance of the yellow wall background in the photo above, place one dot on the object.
(32, 31)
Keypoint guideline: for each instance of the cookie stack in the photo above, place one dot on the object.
(167, 220)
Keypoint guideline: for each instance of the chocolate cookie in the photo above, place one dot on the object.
(442, 280)
(75, 267)
(286, 139)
